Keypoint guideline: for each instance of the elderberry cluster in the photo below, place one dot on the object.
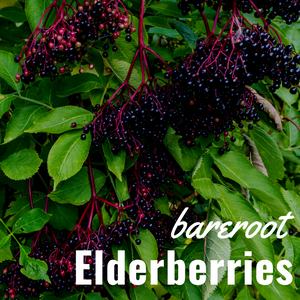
(70, 37)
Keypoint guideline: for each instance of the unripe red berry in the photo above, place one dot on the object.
(62, 70)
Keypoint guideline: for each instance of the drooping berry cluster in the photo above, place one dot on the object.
(53, 50)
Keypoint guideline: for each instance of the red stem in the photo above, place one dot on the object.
(94, 193)
(205, 22)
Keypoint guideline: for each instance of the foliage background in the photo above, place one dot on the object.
(240, 191)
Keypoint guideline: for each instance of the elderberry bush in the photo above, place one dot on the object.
(169, 115)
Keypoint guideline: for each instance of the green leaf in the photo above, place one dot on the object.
(48, 90)
(115, 163)
(121, 68)
(64, 216)
(292, 132)
(215, 249)
(168, 8)
(206, 188)
(285, 95)
(31, 221)
(269, 152)
(92, 296)
(79, 83)
(163, 205)
(13, 14)
(156, 22)
(18, 208)
(97, 60)
(5, 101)
(238, 168)
(147, 250)
(172, 144)
(244, 294)
(293, 201)
(141, 292)
(5, 252)
(165, 53)
(21, 165)
(275, 290)
(171, 33)
(192, 252)
(59, 120)
(188, 34)
(293, 35)
(217, 295)
(34, 11)
(9, 69)
(292, 250)
(203, 167)
(185, 157)
(35, 269)
(116, 292)
(236, 208)
(67, 156)
(77, 189)
(22, 120)
(190, 291)
(122, 188)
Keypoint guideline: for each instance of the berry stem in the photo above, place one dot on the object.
(217, 17)
(205, 22)
(292, 121)
(94, 193)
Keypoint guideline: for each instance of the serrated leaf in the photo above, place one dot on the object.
(292, 250)
(31, 221)
(215, 249)
(269, 152)
(206, 188)
(59, 120)
(9, 69)
(293, 201)
(79, 83)
(236, 208)
(122, 188)
(77, 189)
(141, 292)
(203, 167)
(292, 131)
(22, 120)
(21, 165)
(34, 11)
(115, 163)
(188, 34)
(67, 156)
(64, 216)
(147, 250)
(5, 101)
(190, 291)
(285, 95)
(238, 168)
